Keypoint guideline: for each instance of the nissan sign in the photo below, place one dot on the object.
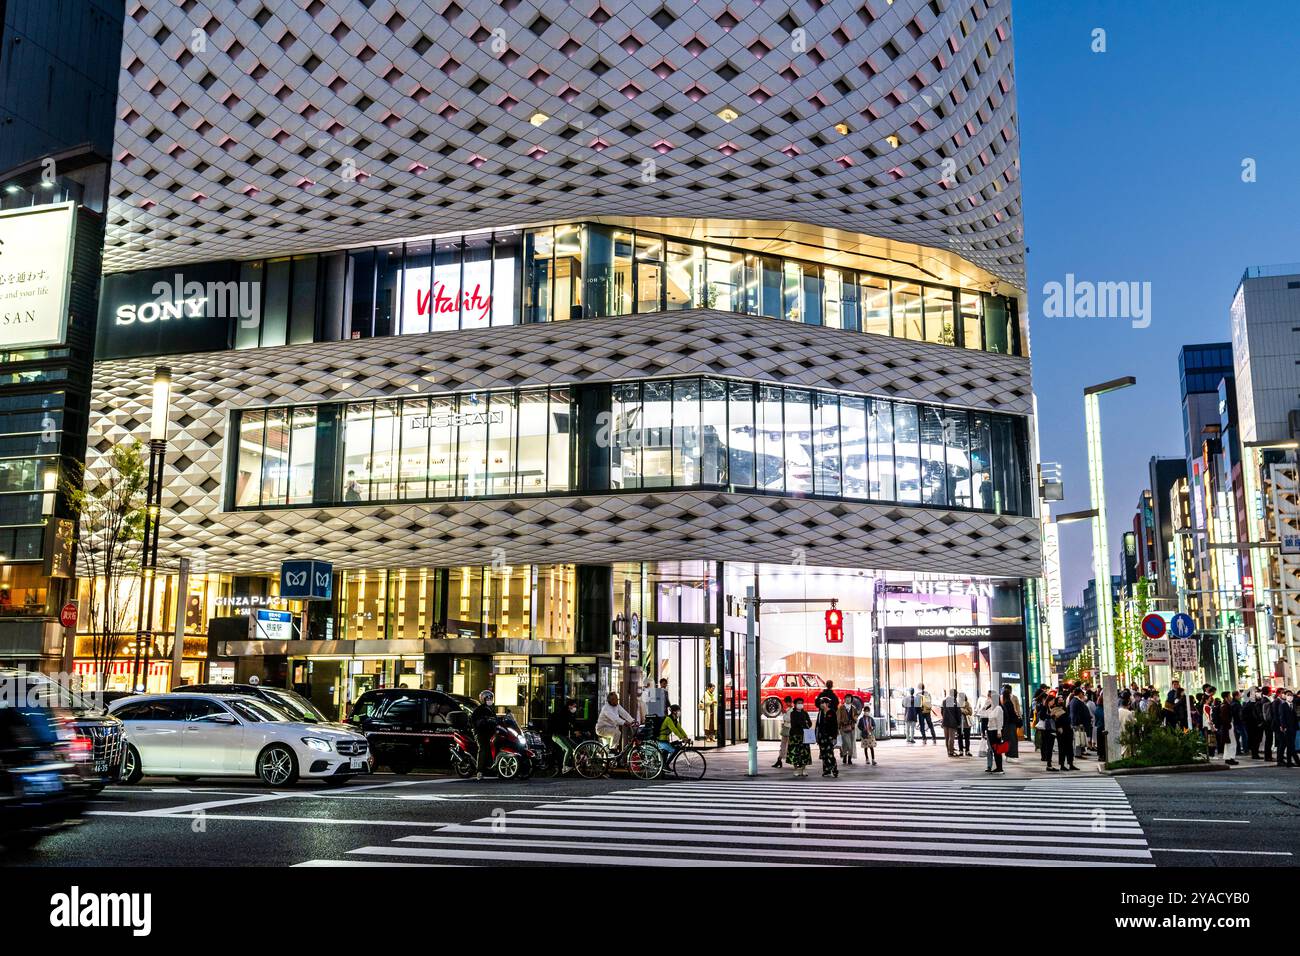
(956, 632)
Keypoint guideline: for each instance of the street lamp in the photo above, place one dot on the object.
(1100, 544)
(161, 400)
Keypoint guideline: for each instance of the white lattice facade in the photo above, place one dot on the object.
(833, 155)
(652, 525)
(274, 126)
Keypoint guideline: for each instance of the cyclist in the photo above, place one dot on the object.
(484, 722)
(612, 719)
(669, 728)
(561, 726)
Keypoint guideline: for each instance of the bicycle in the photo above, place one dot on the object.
(686, 762)
(641, 758)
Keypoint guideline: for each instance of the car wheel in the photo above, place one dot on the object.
(132, 769)
(277, 766)
(772, 707)
(401, 767)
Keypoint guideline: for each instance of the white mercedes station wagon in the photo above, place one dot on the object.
(188, 736)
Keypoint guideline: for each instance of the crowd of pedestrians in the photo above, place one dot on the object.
(834, 723)
(1232, 723)
(1064, 724)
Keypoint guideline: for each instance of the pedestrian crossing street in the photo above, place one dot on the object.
(1051, 822)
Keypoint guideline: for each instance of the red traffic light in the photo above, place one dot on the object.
(834, 626)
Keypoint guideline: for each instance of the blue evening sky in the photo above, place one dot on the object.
(1131, 166)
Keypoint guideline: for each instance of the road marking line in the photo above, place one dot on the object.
(1196, 820)
(782, 824)
(1167, 849)
(211, 804)
(328, 821)
(512, 856)
(1260, 791)
(1116, 826)
(454, 831)
(320, 863)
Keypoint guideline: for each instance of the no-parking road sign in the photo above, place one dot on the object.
(1153, 626)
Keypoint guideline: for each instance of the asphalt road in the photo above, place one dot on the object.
(916, 807)
(1249, 816)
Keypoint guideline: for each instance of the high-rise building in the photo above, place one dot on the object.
(1163, 474)
(59, 67)
(548, 331)
(1266, 349)
(1088, 608)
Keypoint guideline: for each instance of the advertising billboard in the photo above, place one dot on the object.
(35, 272)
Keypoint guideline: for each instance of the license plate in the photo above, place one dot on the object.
(101, 767)
(36, 783)
(360, 763)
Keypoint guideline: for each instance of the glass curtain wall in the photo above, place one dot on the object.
(670, 433)
(587, 270)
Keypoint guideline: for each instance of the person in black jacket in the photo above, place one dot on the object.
(828, 731)
(1080, 717)
(1238, 718)
(484, 722)
(799, 753)
(950, 718)
(1010, 721)
(1284, 718)
(1266, 721)
(1064, 733)
(561, 726)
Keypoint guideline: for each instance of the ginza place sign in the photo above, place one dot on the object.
(35, 272)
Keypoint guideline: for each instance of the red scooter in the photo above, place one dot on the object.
(513, 755)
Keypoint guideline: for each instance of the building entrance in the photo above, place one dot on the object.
(691, 665)
(970, 667)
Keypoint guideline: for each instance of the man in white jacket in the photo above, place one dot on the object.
(990, 710)
(611, 719)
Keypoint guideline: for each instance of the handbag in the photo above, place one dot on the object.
(809, 735)
(1001, 747)
(1041, 725)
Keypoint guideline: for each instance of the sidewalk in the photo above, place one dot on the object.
(897, 759)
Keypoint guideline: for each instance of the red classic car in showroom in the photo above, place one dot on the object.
(773, 689)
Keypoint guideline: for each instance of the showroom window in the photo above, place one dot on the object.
(587, 270)
(679, 433)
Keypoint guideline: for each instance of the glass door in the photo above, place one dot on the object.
(689, 664)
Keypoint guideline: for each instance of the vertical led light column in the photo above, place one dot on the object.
(1100, 542)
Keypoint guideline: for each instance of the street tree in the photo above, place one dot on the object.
(109, 502)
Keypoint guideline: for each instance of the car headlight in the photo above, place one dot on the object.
(316, 743)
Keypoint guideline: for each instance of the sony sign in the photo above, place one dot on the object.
(35, 273)
(147, 312)
(166, 311)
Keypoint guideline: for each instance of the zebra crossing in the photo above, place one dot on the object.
(1050, 822)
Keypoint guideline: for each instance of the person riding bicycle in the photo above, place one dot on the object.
(612, 719)
(669, 728)
(561, 726)
(484, 722)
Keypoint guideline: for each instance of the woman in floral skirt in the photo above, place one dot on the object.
(799, 753)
